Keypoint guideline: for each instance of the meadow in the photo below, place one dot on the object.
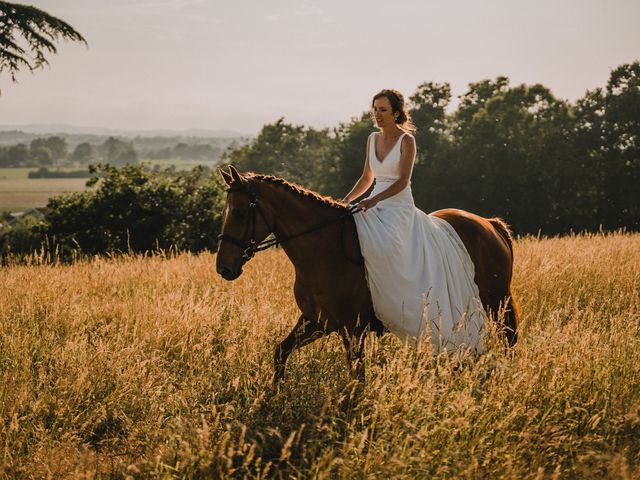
(154, 367)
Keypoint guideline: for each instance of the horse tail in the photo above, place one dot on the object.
(503, 229)
(512, 311)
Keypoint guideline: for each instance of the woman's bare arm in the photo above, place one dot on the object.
(364, 182)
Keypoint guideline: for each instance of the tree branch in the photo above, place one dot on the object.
(39, 29)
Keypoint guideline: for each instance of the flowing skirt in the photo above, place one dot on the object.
(420, 275)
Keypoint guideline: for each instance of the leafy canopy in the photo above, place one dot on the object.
(27, 34)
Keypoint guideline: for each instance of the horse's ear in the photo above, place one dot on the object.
(235, 175)
(226, 176)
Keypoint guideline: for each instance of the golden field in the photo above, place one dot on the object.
(157, 368)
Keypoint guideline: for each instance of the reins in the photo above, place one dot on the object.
(274, 241)
(253, 247)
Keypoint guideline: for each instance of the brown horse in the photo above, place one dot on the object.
(319, 236)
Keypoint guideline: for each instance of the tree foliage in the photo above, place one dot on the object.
(291, 151)
(129, 210)
(57, 146)
(513, 151)
(135, 210)
(41, 151)
(118, 152)
(434, 157)
(347, 157)
(518, 152)
(82, 153)
(20, 24)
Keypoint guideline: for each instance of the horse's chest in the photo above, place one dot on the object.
(310, 298)
(325, 301)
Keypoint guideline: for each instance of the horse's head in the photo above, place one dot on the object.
(243, 225)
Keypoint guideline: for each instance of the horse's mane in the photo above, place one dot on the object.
(295, 188)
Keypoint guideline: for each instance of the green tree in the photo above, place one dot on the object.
(607, 137)
(185, 151)
(18, 155)
(428, 110)
(4, 158)
(117, 152)
(591, 167)
(621, 205)
(57, 146)
(294, 152)
(42, 155)
(435, 186)
(475, 99)
(27, 234)
(346, 157)
(27, 34)
(82, 153)
(517, 156)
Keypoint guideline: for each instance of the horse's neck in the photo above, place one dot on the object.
(293, 215)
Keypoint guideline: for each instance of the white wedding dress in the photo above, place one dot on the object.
(418, 270)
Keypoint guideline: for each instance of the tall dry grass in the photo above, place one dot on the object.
(155, 367)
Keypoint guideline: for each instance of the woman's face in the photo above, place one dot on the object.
(382, 112)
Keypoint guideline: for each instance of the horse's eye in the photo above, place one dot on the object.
(238, 213)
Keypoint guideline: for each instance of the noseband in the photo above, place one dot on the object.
(252, 247)
(249, 250)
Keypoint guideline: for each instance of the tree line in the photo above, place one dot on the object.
(542, 163)
(54, 150)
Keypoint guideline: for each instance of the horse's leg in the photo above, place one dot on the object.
(508, 323)
(354, 348)
(511, 321)
(305, 332)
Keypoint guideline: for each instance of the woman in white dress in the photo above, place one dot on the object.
(418, 270)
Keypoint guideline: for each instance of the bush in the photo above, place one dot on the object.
(25, 235)
(130, 210)
(44, 172)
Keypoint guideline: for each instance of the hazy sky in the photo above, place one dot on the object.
(238, 64)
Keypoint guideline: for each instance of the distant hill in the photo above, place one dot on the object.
(53, 129)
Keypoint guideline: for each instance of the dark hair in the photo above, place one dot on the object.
(397, 106)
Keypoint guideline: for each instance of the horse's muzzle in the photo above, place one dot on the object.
(229, 273)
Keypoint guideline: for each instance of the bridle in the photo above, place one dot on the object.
(251, 247)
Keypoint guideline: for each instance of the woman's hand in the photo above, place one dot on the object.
(367, 204)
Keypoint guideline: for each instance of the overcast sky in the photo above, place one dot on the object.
(238, 64)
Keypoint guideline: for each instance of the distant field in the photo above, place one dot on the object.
(20, 193)
(13, 173)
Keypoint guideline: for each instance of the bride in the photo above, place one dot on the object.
(418, 270)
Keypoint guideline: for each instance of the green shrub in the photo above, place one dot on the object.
(25, 235)
(130, 210)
